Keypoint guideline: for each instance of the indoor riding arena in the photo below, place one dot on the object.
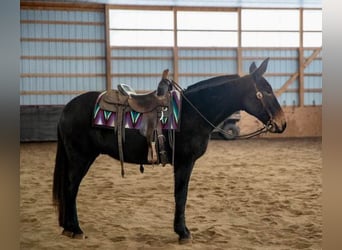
(251, 189)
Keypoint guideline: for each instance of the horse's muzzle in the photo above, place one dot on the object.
(277, 124)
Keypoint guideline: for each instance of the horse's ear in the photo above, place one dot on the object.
(257, 74)
(252, 68)
(165, 74)
(263, 66)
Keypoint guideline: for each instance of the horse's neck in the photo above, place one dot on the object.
(217, 103)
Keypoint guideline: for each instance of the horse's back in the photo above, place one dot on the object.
(76, 117)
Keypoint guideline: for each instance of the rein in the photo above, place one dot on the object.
(262, 130)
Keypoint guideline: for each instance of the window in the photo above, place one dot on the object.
(207, 29)
(270, 39)
(271, 20)
(312, 27)
(141, 28)
(259, 28)
(270, 28)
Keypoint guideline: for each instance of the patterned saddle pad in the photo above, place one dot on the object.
(133, 120)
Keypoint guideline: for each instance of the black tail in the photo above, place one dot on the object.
(59, 177)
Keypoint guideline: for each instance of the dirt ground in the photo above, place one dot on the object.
(246, 194)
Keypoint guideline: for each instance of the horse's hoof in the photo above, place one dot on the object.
(67, 233)
(183, 241)
(74, 235)
(80, 236)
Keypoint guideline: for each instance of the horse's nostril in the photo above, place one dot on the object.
(273, 127)
(284, 126)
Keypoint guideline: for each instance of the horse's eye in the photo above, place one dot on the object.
(259, 95)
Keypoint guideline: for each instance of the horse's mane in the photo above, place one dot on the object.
(211, 82)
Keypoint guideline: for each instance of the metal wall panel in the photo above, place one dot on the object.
(61, 83)
(314, 67)
(62, 66)
(61, 15)
(51, 48)
(34, 30)
(308, 52)
(313, 80)
(205, 66)
(274, 65)
(209, 52)
(154, 66)
(141, 52)
(312, 99)
(278, 81)
(195, 65)
(141, 68)
(62, 51)
(248, 52)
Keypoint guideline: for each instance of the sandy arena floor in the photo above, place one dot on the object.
(252, 194)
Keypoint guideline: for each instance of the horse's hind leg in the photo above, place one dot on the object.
(78, 166)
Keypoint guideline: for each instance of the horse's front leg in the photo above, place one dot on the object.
(182, 174)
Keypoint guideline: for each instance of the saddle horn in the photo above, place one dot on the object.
(165, 74)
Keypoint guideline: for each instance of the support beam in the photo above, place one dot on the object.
(239, 47)
(301, 59)
(287, 84)
(312, 57)
(175, 46)
(306, 63)
(108, 51)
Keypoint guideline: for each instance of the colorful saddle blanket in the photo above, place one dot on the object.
(133, 120)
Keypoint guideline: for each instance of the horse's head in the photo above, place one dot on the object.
(261, 101)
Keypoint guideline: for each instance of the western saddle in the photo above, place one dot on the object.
(154, 106)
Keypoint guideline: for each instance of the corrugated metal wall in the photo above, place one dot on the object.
(140, 67)
(63, 53)
(313, 80)
(196, 64)
(61, 50)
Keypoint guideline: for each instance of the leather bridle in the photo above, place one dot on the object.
(259, 96)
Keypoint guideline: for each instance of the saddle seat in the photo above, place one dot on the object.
(126, 89)
(126, 96)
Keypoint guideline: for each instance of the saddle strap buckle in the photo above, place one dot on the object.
(162, 116)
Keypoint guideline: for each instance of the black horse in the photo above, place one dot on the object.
(204, 104)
